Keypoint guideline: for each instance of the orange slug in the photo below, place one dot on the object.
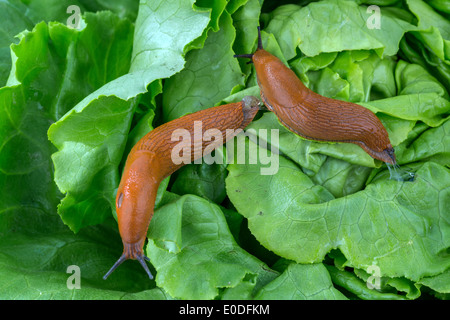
(313, 116)
(150, 161)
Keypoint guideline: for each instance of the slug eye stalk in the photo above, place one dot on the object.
(124, 257)
(250, 55)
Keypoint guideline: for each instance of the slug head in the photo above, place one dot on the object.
(250, 106)
(391, 154)
(378, 147)
(388, 155)
(135, 202)
(373, 136)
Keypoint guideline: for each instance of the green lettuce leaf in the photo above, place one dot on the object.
(13, 22)
(301, 282)
(196, 256)
(26, 176)
(307, 27)
(73, 102)
(17, 16)
(359, 288)
(36, 247)
(385, 224)
(207, 181)
(210, 74)
(91, 137)
(90, 140)
(35, 263)
(434, 29)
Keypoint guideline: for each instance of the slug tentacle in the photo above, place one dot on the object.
(114, 267)
(124, 257)
(131, 251)
(260, 46)
(250, 55)
(142, 260)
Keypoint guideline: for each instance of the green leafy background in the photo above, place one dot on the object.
(74, 101)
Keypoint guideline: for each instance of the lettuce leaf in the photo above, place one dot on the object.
(345, 29)
(209, 67)
(383, 225)
(74, 101)
(93, 134)
(301, 282)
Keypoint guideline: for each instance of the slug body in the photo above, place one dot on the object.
(316, 117)
(150, 161)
